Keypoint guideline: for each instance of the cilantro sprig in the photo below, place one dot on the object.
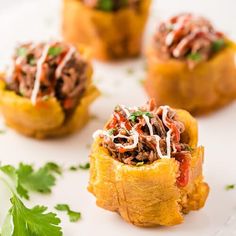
(230, 186)
(30, 221)
(85, 166)
(196, 56)
(218, 45)
(136, 114)
(26, 178)
(54, 51)
(74, 216)
(110, 5)
(105, 5)
(21, 52)
(24, 221)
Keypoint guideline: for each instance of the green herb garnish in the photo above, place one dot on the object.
(26, 178)
(111, 131)
(73, 215)
(34, 221)
(190, 149)
(141, 81)
(194, 56)
(2, 131)
(130, 71)
(85, 166)
(54, 51)
(136, 114)
(21, 52)
(218, 45)
(24, 221)
(106, 5)
(73, 168)
(230, 186)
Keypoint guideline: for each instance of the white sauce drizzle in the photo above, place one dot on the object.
(38, 75)
(148, 124)
(164, 114)
(135, 134)
(66, 58)
(125, 110)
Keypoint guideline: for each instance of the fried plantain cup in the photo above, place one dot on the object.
(148, 195)
(46, 118)
(111, 35)
(206, 87)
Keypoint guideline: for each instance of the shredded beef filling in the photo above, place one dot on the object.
(59, 67)
(111, 5)
(143, 135)
(188, 37)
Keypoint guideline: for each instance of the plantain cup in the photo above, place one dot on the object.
(111, 35)
(148, 195)
(208, 86)
(191, 65)
(46, 118)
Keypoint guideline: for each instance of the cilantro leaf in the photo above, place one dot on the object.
(85, 166)
(21, 52)
(230, 186)
(27, 179)
(73, 168)
(111, 131)
(106, 5)
(41, 180)
(2, 131)
(136, 114)
(10, 171)
(73, 215)
(194, 56)
(218, 45)
(33, 221)
(54, 51)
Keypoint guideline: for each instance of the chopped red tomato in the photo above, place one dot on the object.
(68, 103)
(184, 168)
(121, 150)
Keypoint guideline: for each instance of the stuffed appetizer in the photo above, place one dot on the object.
(191, 65)
(47, 89)
(146, 165)
(112, 28)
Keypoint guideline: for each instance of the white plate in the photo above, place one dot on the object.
(39, 20)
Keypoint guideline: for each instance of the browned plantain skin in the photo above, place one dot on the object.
(46, 119)
(111, 35)
(210, 85)
(148, 195)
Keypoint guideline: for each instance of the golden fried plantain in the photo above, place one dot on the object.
(111, 35)
(148, 195)
(208, 86)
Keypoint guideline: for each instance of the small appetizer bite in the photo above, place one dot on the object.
(146, 165)
(48, 89)
(112, 28)
(191, 65)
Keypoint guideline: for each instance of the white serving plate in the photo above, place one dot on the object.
(39, 20)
